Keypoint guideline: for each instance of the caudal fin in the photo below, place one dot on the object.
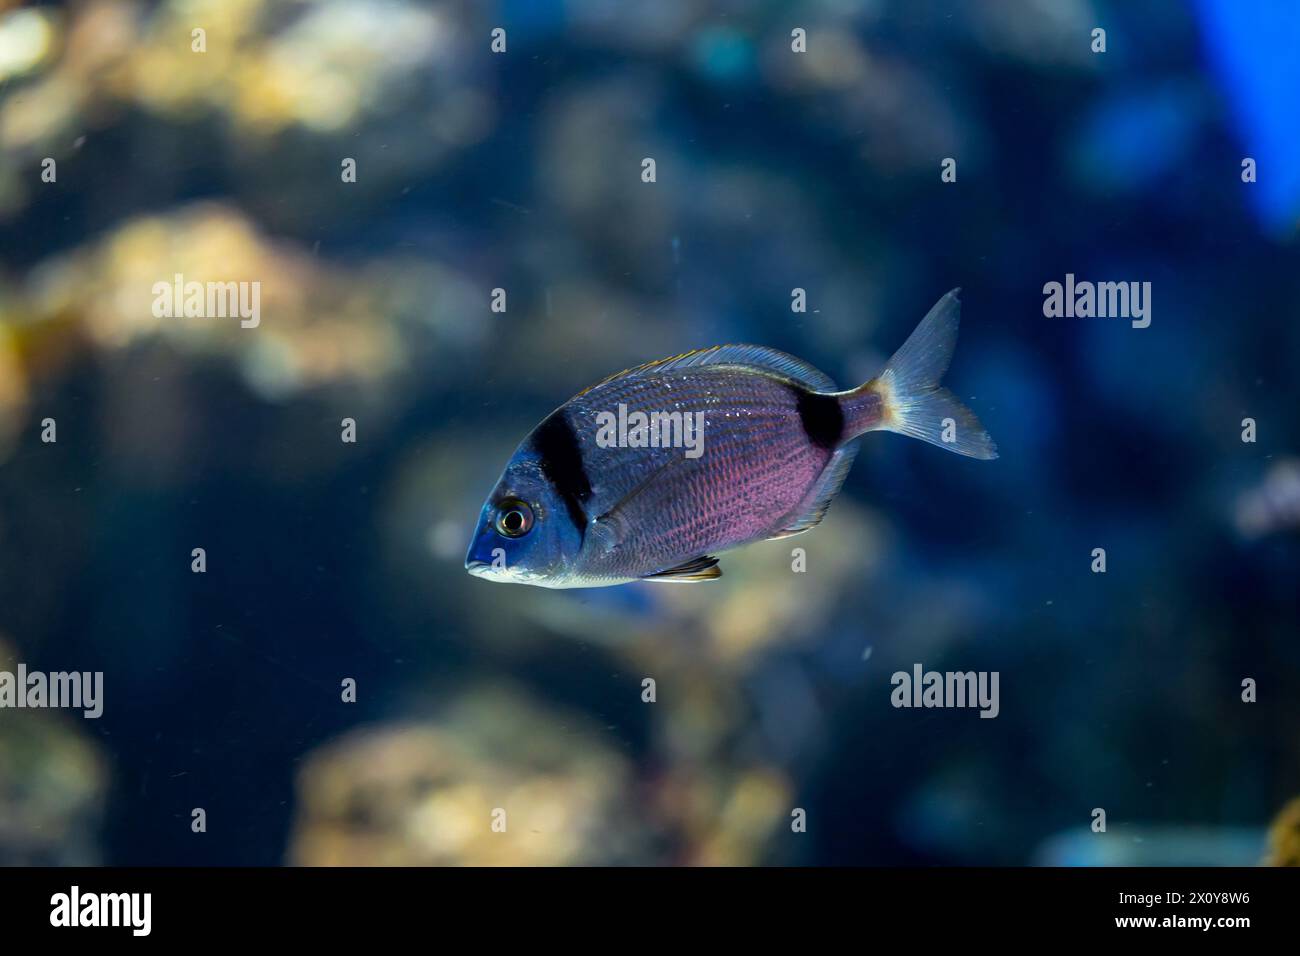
(906, 397)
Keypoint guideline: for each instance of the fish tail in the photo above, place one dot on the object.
(906, 397)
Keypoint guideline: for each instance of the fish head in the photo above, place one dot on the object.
(524, 533)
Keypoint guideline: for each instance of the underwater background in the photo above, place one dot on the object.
(522, 170)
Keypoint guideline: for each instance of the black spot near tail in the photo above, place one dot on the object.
(560, 456)
(822, 417)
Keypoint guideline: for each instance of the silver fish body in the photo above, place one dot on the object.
(574, 508)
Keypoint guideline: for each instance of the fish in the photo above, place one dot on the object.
(616, 486)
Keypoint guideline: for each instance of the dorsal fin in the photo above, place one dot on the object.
(814, 506)
(703, 568)
(750, 356)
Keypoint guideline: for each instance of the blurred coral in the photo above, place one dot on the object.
(1284, 837)
(428, 793)
(53, 787)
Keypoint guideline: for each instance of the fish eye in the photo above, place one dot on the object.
(514, 518)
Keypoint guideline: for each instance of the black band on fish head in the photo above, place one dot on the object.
(560, 458)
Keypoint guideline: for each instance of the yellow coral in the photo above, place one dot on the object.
(1284, 837)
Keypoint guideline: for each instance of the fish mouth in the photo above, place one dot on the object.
(488, 572)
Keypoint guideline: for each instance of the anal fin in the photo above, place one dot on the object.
(703, 568)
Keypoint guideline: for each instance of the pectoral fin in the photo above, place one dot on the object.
(703, 568)
(606, 532)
